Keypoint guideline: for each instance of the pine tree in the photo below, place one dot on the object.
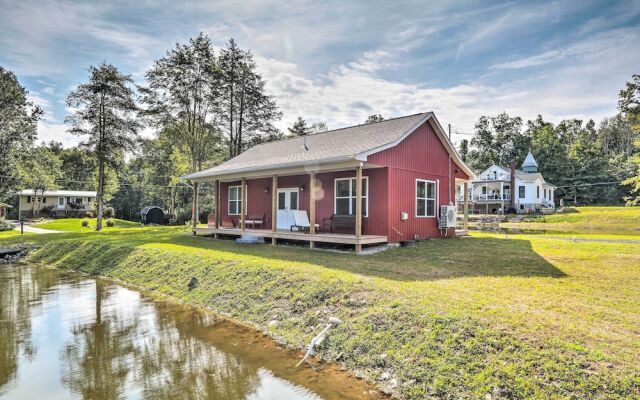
(372, 119)
(299, 128)
(244, 108)
(106, 115)
(464, 149)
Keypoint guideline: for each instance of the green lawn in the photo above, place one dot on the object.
(589, 220)
(524, 317)
(75, 224)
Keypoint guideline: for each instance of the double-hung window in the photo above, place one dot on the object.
(235, 200)
(345, 196)
(425, 198)
(521, 192)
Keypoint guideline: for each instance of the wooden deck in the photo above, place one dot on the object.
(284, 234)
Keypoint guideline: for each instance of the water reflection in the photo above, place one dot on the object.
(65, 336)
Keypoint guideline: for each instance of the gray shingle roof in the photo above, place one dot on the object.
(61, 193)
(526, 176)
(335, 145)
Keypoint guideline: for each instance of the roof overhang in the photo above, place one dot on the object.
(328, 165)
(283, 170)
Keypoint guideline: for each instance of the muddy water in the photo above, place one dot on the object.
(66, 336)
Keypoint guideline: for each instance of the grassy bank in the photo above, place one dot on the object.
(447, 318)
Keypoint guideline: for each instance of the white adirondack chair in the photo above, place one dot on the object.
(301, 221)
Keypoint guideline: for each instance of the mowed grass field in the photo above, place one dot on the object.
(75, 224)
(526, 316)
(588, 220)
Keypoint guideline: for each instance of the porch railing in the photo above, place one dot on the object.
(486, 197)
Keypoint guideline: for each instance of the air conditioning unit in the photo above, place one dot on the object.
(448, 216)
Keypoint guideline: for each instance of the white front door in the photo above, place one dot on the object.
(288, 200)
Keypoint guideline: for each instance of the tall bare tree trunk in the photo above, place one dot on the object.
(100, 194)
(100, 168)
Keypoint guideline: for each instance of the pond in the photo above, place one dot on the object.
(63, 335)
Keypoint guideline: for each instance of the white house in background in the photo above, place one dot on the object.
(57, 203)
(499, 189)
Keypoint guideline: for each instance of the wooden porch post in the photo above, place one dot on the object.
(216, 207)
(216, 222)
(486, 198)
(502, 196)
(243, 208)
(358, 207)
(312, 207)
(194, 208)
(274, 209)
(466, 206)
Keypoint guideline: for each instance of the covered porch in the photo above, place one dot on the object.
(319, 237)
(263, 203)
(488, 196)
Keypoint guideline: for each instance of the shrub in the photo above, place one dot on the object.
(5, 226)
(89, 214)
(108, 212)
(47, 210)
(110, 223)
(85, 222)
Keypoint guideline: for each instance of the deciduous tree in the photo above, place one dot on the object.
(629, 106)
(181, 96)
(18, 123)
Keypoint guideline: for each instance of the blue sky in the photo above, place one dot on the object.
(338, 61)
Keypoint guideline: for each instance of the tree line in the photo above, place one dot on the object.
(204, 107)
(590, 163)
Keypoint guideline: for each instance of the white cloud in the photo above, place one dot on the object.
(341, 62)
(48, 131)
(597, 44)
(585, 88)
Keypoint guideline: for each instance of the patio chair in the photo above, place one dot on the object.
(227, 222)
(255, 220)
(301, 222)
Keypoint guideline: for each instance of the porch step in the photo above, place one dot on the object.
(250, 239)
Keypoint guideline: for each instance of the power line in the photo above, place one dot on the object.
(592, 184)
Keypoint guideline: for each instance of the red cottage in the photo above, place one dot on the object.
(365, 184)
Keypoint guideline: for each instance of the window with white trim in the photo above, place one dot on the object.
(425, 198)
(345, 196)
(235, 200)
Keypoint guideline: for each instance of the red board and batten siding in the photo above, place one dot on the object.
(259, 200)
(392, 188)
(419, 156)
